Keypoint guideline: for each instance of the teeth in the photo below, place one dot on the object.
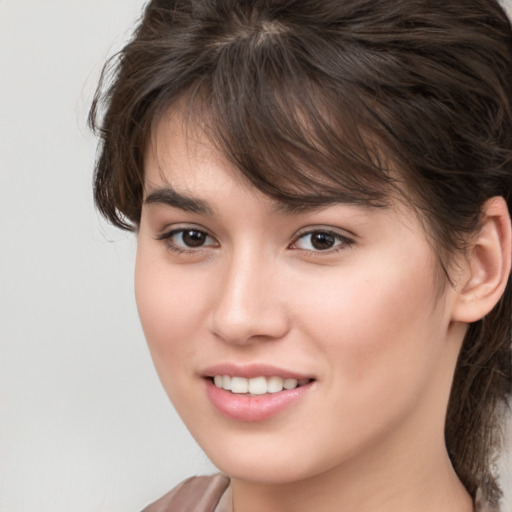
(226, 382)
(239, 385)
(256, 385)
(274, 384)
(290, 384)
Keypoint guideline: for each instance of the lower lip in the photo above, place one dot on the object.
(253, 408)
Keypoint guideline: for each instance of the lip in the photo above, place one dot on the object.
(253, 408)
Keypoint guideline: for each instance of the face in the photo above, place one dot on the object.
(291, 344)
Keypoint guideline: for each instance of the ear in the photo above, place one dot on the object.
(486, 266)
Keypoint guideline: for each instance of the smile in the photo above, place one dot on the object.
(255, 393)
(257, 385)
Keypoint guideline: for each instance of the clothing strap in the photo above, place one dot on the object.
(196, 494)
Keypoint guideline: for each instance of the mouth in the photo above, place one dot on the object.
(256, 386)
(255, 393)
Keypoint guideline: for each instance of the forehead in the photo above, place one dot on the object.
(183, 154)
(180, 154)
(183, 169)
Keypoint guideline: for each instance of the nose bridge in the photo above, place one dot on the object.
(248, 305)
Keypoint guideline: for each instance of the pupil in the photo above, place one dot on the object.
(322, 241)
(193, 238)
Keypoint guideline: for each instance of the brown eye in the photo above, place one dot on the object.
(184, 239)
(193, 237)
(322, 241)
(318, 241)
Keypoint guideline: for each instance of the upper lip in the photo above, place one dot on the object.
(252, 370)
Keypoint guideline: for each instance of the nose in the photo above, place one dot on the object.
(248, 303)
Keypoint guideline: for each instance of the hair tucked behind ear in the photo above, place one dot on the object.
(477, 408)
(305, 97)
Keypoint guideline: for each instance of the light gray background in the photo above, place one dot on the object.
(84, 424)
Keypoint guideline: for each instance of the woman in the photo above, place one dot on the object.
(319, 191)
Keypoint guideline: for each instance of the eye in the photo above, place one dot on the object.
(321, 241)
(186, 239)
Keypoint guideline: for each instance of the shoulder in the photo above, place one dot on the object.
(196, 494)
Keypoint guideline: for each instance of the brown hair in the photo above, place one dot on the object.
(306, 97)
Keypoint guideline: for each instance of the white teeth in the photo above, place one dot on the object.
(226, 382)
(256, 385)
(239, 385)
(290, 383)
(274, 384)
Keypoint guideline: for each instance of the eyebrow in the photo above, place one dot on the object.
(170, 197)
(296, 207)
(311, 203)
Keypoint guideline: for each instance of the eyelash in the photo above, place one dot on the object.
(342, 242)
(167, 238)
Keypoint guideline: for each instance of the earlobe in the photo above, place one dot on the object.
(487, 265)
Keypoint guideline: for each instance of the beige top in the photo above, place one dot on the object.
(196, 494)
(213, 494)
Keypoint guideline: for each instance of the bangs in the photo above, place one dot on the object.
(296, 141)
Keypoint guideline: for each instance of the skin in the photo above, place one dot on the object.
(365, 318)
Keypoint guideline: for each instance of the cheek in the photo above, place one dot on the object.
(169, 306)
(378, 329)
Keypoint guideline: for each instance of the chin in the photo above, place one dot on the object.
(270, 472)
(257, 460)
